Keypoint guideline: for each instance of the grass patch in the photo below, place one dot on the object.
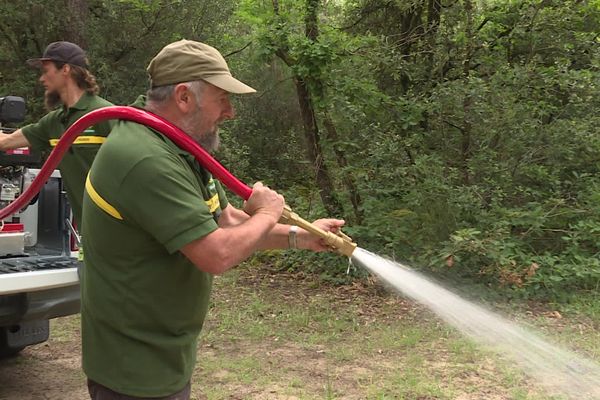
(286, 336)
(63, 329)
(282, 336)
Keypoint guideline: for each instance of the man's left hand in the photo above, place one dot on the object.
(309, 241)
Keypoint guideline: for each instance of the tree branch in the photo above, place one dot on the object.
(364, 13)
(285, 57)
(485, 21)
(453, 125)
(239, 50)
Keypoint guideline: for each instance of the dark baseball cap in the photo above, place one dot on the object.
(187, 60)
(63, 52)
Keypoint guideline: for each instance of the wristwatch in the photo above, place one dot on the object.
(293, 244)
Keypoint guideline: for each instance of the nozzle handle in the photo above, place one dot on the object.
(341, 242)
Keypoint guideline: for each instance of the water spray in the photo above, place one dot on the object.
(556, 369)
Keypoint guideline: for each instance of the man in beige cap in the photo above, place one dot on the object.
(157, 227)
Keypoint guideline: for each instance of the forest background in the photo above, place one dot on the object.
(459, 136)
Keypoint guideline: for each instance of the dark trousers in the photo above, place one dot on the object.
(99, 392)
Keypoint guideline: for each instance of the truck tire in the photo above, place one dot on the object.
(6, 352)
(15, 338)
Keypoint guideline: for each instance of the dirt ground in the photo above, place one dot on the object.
(52, 370)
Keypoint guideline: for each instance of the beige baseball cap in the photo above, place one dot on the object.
(187, 60)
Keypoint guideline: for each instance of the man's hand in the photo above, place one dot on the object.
(9, 141)
(309, 241)
(264, 201)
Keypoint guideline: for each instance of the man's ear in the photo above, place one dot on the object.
(183, 98)
(66, 69)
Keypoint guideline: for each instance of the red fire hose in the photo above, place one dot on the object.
(339, 241)
(180, 138)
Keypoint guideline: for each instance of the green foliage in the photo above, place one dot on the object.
(492, 171)
(505, 209)
(472, 140)
(122, 36)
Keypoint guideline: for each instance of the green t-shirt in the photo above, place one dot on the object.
(143, 301)
(43, 136)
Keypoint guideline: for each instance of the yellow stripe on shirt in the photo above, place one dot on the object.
(100, 202)
(82, 140)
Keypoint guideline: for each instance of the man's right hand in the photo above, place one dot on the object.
(264, 201)
(10, 141)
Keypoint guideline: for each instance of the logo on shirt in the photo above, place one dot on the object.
(212, 203)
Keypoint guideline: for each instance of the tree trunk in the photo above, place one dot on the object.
(314, 151)
(348, 179)
(76, 22)
(310, 20)
(467, 101)
(434, 9)
(309, 119)
(410, 27)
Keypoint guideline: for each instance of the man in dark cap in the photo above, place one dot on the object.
(157, 227)
(70, 85)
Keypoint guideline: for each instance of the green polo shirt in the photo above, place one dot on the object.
(143, 301)
(43, 135)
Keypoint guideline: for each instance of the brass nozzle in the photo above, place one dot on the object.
(342, 243)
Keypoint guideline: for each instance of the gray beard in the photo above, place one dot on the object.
(209, 141)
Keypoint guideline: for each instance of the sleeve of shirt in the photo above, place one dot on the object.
(38, 134)
(162, 198)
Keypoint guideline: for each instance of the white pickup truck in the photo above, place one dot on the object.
(38, 257)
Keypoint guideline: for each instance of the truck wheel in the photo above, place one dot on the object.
(6, 351)
(11, 342)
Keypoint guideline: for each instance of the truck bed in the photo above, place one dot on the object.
(35, 273)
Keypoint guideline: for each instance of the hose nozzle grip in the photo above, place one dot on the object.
(341, 242)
